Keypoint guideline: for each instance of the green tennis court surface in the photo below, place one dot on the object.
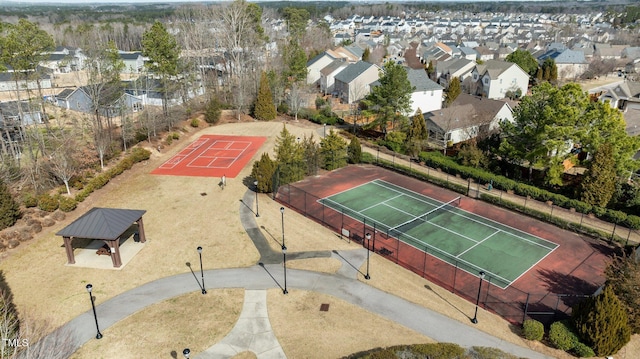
(466, 240)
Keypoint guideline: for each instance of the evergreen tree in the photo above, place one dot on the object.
(431, 70)
(366, 54)
(599, 183)
(525, 60)
(392, 98)
(9, 208)
(263, 171)
(453, 91)
(162, 49)
(623, 276)
(296, 62)
(601, 323)
(212, 111)
(290, 162)
(354, 151)
(311, 155)
(334, 151)
(418, 134)
(539, 75)
(264, 109)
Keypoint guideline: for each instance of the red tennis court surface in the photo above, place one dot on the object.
(212, 156)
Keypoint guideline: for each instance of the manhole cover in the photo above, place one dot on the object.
(324, 307)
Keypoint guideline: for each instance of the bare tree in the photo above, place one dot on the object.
(297, 99)
(63, 158)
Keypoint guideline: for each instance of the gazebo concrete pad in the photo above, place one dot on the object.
(87, 258)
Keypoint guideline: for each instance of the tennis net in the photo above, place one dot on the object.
(409, 225)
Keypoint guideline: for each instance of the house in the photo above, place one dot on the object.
(149, 90)
(353, 82)
(8, 81)
(133, 62)
(344, 53)
(499, 79)
(328, 73)
(468, 117)
(315, 65)
(426, 95)
(447, 70)
(622, 95)
(14, 113)
(81, 99)
(64, 59)
(571, 64)
(608, 51)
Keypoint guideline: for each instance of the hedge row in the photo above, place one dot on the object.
(137, 155)
(448, 165)
(562, 335)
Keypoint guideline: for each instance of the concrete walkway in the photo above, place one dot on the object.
(253, 331)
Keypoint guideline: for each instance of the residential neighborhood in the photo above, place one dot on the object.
(352, 179)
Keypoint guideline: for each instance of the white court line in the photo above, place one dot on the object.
(496, 226)
(477, 243)
(226, 148)
(180, 156)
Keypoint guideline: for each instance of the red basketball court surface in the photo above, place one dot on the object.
(212, 156)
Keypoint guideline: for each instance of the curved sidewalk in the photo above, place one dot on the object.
(343, 285)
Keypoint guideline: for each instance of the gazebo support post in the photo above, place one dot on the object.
(68, 246)
(115, 254)
(141, 235)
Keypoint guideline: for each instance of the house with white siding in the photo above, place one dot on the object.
(497, 79)
(426, 95)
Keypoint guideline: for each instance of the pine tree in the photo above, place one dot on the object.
(599, 183)
(623, 276)
(601, 323)
(366, 54)
(453, 91)
(311, 155)
(334, 151)
(418, 134)
(354, 151)
(264, 109)
(290, 161)
(263, 171)
(9, 208)
(431, 69)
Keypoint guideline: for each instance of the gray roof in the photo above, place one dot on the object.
(465, 111)
(334, 65)
(102, 223)
(130, 55)
(421, 82)
(65, 93)
(352, 71)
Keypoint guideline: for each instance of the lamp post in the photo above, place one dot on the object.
(257, 211)
(284, 258)
(475, 316)
(95, 316)
(324, 129)
(284, 247)
(204, 291)
(368, 236)
(186, 352)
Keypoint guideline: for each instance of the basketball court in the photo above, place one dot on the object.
(212, 156)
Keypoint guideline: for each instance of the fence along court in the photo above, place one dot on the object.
(380, 216)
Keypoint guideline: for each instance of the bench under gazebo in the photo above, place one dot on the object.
(107, 224)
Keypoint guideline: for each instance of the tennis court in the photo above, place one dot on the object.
(464, 239)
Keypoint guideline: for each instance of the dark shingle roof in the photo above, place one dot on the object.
(352, 71)
(102, 223)
(421, 82)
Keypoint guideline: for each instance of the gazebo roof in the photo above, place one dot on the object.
(102, 223)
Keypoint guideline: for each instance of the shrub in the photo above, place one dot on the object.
(582, 350)
(561, 336)
(212, 111)
(488, 353)
(439, 350)
(29, 200)
(176, 136)
(168, 141)
(194, 123)
(532, 329)
(67, 204)
(47, 203)
(9, 208)
(602, 322)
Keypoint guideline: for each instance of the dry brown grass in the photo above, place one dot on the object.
(179, 219)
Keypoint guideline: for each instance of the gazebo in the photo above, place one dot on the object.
(107, 224)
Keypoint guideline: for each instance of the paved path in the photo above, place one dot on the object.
(253, 330)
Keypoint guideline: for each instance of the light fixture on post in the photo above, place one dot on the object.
(368, 236)
(284, 259)
(186, 353)
(204, 291)
(93, 306)
(475, 316)
(282, 215)
(257, 211)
